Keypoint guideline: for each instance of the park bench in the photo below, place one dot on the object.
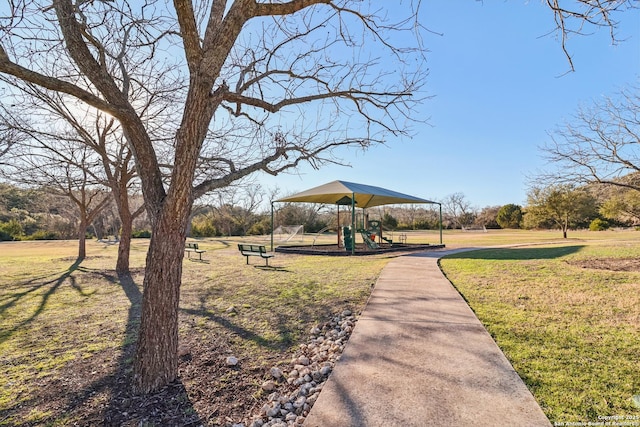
(193, 247)
(254, 250)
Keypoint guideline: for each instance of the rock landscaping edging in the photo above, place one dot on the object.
(294, 388)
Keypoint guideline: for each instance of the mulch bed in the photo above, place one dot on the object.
(360, 249)
(98, 391)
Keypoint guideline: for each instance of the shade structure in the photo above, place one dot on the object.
(356, 195)
(366, 196)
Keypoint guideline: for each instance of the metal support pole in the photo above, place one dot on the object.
(353, 223)
(440, 204)
(271, 228)
(338, 227)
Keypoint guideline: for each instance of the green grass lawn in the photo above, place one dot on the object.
(566, 312)
(567, 316)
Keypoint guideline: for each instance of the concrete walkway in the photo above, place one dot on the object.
(419, 356)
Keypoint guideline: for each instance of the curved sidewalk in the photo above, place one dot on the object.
(419, 356)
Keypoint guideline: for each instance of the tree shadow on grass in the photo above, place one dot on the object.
(518, 254)
(53, 285)
(98, 390)
(169, 406)
(281, 342)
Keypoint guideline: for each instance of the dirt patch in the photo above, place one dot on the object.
(612, 264)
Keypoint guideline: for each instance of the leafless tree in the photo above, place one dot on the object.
(599, 145)
(8, 138)
(56, 123)
(62, 169)
(487, 217)
(579, 17)
(238, 205)
(305, 76)
(458, 211)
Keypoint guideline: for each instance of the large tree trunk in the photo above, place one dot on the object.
(156, 360)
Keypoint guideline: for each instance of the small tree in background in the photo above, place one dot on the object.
(510, 216)
(622, 207)
(488, 217)
(389, 222)
(561, 205)
(458, 210)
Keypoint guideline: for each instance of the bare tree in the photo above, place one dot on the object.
(599, 145)
(488, 217)
(55, 123)
(458, 210)
(581, 16)
(243, 201)
(8, 138)
(246, 61)
(62, 169)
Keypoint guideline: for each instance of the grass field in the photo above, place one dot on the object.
(567, 316)
(566, 312)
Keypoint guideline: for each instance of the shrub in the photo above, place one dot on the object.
(11, 230)
(510, 216)
(203, 229)
(43, 235)
(260, 228)
(141, 234)
(598, 225)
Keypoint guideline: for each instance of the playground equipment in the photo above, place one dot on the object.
(342, 193)
(369, 239)
(375, 230)
(348, 238)
(318, 234)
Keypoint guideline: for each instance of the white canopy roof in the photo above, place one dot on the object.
(341, 192)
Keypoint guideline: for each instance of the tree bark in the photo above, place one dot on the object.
(156, 359)
(206, 50)
(82, 240)
(124, 246)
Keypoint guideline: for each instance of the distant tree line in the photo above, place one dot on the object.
(41, 214)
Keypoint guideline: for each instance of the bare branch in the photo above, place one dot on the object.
(600, 144)
(599, 14)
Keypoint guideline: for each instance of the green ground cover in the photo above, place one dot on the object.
(567, 317)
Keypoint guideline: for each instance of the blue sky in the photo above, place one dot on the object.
(499, 83)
